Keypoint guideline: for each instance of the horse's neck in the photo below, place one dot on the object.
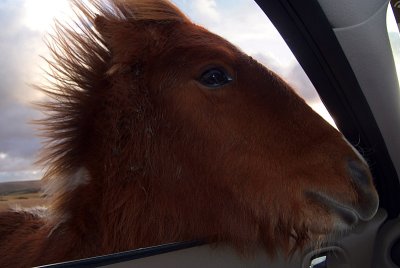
(115, 214)
(111, 214)
(21, 230)
(134, 217)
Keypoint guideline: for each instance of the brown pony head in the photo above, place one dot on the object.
(161, 131)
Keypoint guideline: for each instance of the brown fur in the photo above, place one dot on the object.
(164, 158)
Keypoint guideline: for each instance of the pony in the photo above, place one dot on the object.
(158, 131)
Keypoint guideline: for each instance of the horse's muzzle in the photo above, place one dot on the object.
(367, 200)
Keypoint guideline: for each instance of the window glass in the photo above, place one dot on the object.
(24, 26)
(27, 22)
(394, 36)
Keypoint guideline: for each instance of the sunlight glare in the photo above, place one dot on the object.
(39, 14)
(394, 37)
(320, 108)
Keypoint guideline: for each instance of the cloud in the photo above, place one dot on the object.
(206, 10)
(22, 175)
(20, 48)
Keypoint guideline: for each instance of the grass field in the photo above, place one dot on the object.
(23, 194)
(22, 200)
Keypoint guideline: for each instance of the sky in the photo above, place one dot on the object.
(25, 23)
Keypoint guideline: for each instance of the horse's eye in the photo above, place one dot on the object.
(215, 77)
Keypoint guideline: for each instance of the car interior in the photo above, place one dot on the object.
(344, 48)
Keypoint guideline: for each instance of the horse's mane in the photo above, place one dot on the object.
(79, 63)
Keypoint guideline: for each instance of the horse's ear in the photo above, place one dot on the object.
(100, 23)
(106, 28)
(124, 39)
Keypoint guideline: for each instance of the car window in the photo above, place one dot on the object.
(243, 23)
(25, 24)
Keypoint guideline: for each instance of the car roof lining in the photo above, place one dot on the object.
(373, 65)
(344, 13)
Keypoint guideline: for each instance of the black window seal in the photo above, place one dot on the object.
(125, 256)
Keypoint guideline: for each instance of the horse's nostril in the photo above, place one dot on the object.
(346, 213)
(359, 173)
(368, 200)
